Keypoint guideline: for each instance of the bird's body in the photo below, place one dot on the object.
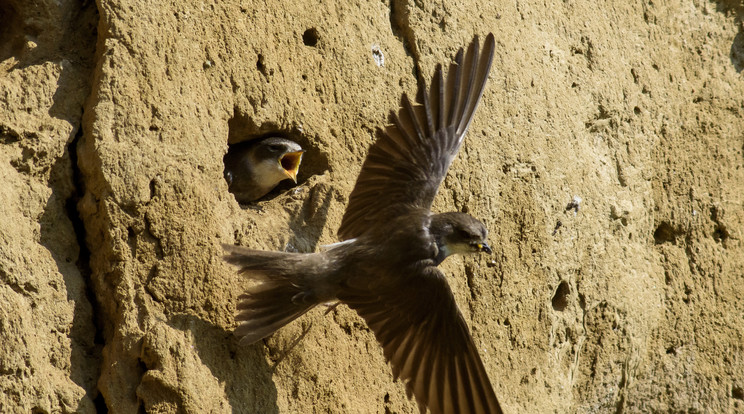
(386, 269)
(342, 272)
(253, 168)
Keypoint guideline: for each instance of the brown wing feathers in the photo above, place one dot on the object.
(429, 347)
(477, 83)
(408, 162)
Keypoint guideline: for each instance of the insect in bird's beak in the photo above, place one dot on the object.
(291, 163)
(483, 247)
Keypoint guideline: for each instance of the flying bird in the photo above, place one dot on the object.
(255, 167)
(386, 266)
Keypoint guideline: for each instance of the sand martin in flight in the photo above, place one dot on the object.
(386, 266)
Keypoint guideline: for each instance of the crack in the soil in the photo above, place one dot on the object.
(401, 26)
(83, 260)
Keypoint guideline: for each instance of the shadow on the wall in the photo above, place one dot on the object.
(736, 53)
(307, 223)
(244, 370)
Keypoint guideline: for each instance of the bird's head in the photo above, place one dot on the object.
(459, 233)
(278, 156)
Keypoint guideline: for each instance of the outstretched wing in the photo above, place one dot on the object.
(427, 342)
(406, 165)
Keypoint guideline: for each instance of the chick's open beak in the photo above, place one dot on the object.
(290, 162)
(484, 247)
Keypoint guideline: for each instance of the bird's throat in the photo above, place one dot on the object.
(442, 253)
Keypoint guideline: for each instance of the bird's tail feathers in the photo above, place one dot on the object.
(278, 297)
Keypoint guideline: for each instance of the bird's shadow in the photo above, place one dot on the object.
(243, 369)
(309, 221)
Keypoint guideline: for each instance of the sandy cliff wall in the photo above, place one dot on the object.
(115, 115)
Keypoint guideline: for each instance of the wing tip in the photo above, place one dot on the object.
(451, 103)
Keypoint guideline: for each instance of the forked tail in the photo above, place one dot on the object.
(277, 298)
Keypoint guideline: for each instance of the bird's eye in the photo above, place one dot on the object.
(275, 147)
(464, 234)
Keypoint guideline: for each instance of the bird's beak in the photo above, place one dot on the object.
(291, 163)
(484, 247)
